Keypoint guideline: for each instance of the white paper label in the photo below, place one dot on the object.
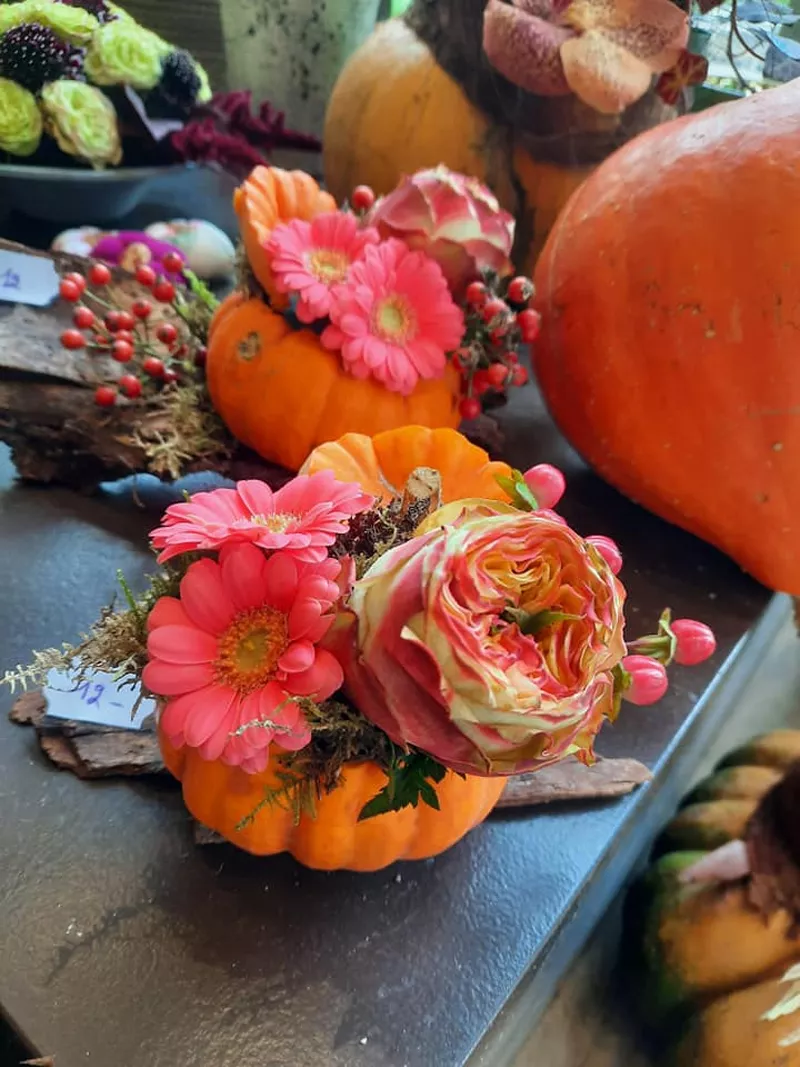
(27, 279)
(98, 699)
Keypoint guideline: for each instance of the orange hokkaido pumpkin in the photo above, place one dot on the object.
(382, 464)
(281, 393)
(220, 796)
(670, 296)
(268, 197)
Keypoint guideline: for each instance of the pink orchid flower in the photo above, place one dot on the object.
(604, 51)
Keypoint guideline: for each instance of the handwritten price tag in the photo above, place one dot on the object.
(27, 279)
(98, 700)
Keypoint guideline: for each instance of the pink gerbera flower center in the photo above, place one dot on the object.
(278, 523)
(328, 265)
(394, 320)
(250, 648)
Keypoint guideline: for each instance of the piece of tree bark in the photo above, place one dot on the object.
(572, 780)
(48, 416)
(91, 751)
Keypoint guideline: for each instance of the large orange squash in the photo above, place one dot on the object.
(281, 393)
(670, 295)
(220, 796)
(412, 98)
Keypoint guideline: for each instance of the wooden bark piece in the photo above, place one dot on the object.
(87, 749)
(91, 751)
(572, 780)
(47, 411)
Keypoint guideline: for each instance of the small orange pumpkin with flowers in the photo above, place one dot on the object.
(349, 668)
(382, 314)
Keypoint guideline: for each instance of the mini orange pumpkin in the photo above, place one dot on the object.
(270, 196)
(220, 796)
(281, 393)
(383, 463)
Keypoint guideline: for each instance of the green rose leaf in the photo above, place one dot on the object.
(20, 120)
(83, 121)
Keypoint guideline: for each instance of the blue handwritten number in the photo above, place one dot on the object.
(98, 692)
(11, 279)
(90, 694)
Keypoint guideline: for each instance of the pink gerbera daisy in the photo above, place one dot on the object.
(309, 258)
(235, 650)
(394, 318)
(304, 517)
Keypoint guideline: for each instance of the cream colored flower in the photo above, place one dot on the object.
(83, 121)
(205, 92)
(124, 53)
(73, 24)
(20, 120)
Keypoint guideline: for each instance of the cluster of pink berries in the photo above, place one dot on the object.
(129, 337)
(497, 324)
(683, 641)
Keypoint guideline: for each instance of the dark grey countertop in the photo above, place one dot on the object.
(125, 944)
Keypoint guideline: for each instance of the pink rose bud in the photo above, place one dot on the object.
(609, 550)
(648, 680)
(546, 483)
(695, 642)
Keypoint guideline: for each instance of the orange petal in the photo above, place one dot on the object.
(604, 75)
(655, 31)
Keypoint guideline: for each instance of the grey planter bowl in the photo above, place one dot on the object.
(77, 197)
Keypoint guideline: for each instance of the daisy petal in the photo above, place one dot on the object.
(167, 611)
(174, 679)
(243, 575)
(298, 657)
(205, 598)
(182, 644)
(321, 680)
(280, 578)
(209, 711)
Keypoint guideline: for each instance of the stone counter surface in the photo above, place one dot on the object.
(125, 944)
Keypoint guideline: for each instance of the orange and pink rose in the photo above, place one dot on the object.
(487, 640)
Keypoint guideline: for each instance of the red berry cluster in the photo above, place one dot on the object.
(129, 337)
(497, 322)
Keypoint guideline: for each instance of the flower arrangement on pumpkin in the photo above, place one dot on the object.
(385, 313)
(605, 52)
(395, 631)
(380, 314)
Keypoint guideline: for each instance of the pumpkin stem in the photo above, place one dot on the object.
(422, 494)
